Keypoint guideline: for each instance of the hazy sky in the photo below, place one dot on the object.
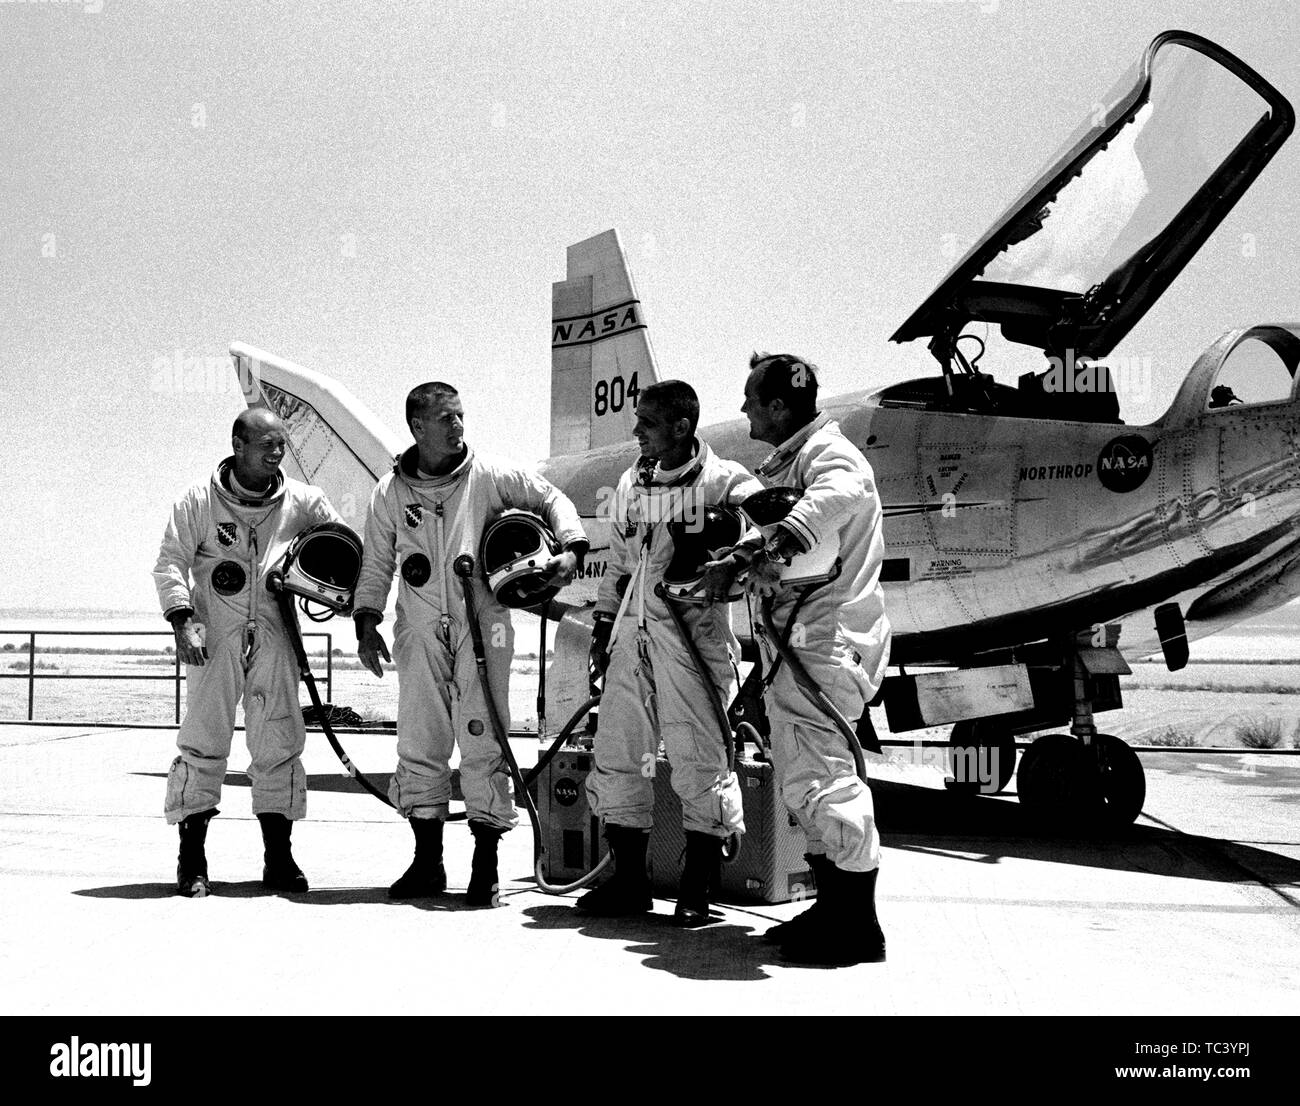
(384, 192)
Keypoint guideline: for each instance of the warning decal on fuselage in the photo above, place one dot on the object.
(946, 568)
(957, 501)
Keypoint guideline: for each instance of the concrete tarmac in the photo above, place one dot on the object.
(1196, 910)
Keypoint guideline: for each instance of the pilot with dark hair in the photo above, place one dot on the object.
(652, 690)
(843, 643)
(224, 536)
(429, 510)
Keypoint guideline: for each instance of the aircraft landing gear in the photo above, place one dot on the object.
(1083, 780)
(1053, 781)
(983, 757)
(1121, 781)
(1067, 784)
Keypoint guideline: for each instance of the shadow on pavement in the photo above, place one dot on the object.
(321, 782)
(723, 950)
(252, 889)
(985, 829)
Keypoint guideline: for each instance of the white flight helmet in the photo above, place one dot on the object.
(515, 548)
(322, 564)
(821, 563)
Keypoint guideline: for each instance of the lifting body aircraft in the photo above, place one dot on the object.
(1029, 532)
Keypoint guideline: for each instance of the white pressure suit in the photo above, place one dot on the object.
(843, 643)
(418, 526)
(652, 690)
(226, 545)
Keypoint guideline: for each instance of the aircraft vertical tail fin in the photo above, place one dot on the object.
(335, 441)
(600, 348)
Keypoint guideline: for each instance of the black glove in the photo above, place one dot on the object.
(598, 658)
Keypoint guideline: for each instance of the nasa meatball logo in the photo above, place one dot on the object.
(414, 515)
(226, 533)
(228, 578)
(416, 570)
(566, 791)
(1124, 463)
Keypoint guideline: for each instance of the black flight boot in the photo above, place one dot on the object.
(279, 873)
(823, 872)
(627, 892)
(847, 932)
(426, 875)
(192, 863)
(483, 882)
(701, 879)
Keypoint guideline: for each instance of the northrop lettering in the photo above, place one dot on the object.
(583, 329)
(1056, 472)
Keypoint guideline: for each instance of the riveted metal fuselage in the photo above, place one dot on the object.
(1002, 531)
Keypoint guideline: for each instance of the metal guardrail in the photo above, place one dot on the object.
(177, 676)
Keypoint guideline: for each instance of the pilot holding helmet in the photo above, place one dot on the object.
(652, 689)
(431, 509)
(841, 638)
(225, 537)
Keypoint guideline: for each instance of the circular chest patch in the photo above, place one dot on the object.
(1124, 463)
(416, 570)
(228, 578)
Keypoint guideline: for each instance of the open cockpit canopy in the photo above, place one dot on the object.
(1084, 251)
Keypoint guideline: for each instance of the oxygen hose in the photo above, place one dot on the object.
(284, 600)
(715, 700)
(732, 850)
(463, 566)
(800, 599)
(541, 674)
(811, 689)
(568, 728)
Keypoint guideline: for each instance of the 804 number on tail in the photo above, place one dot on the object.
(610, 396)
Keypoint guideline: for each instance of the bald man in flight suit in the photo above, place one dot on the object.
(224, 536)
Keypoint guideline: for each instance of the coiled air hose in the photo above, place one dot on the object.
(808, 685)
(463, 566)
(732, 850)
(284, 600)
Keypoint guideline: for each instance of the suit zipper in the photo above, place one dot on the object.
(250, 627)
(445, 620)
(641, 575)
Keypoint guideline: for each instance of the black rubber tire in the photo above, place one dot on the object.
(984, 746)
(1121, 781)
(1057, 784)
